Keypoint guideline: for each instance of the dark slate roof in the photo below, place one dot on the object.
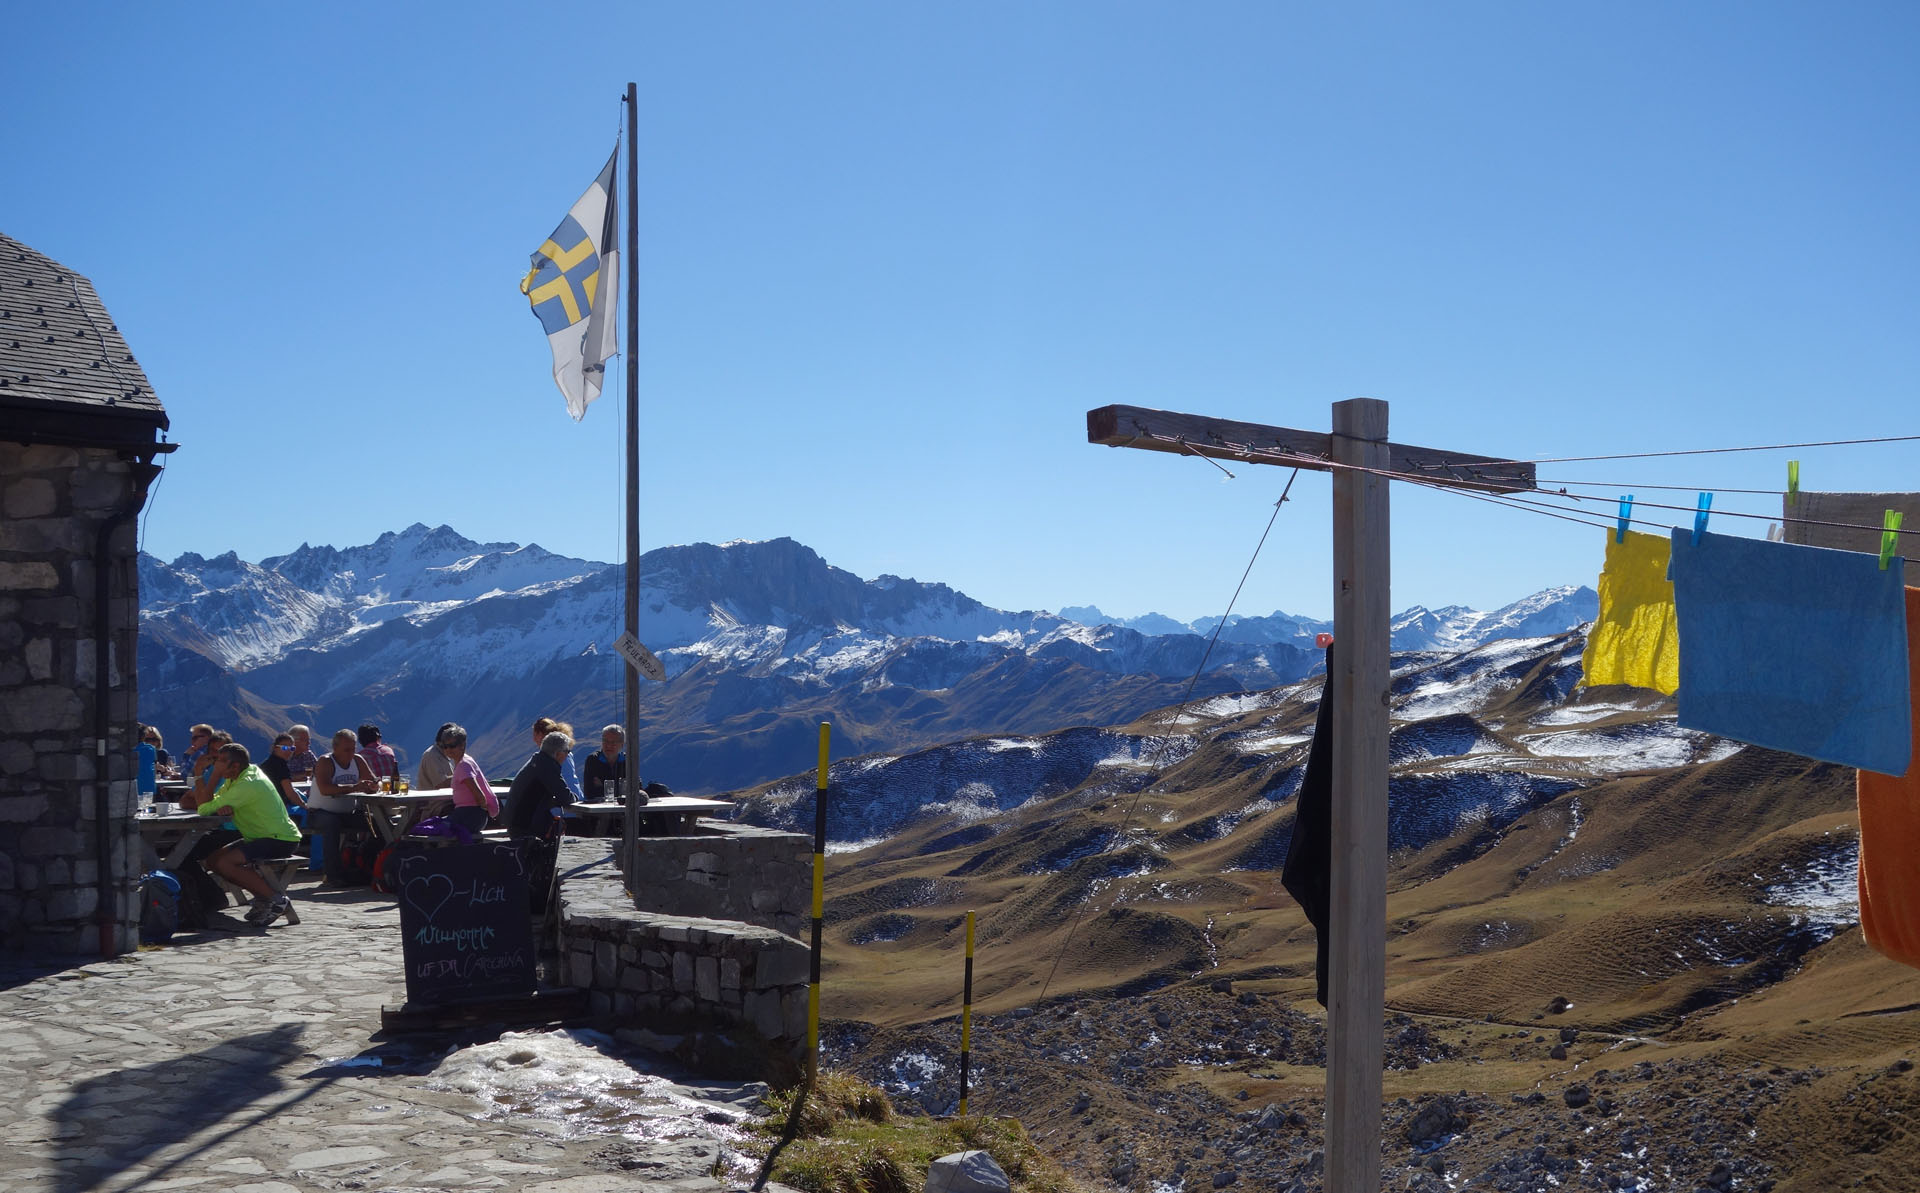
(62, 359)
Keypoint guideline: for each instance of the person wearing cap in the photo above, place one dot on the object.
(379, 755)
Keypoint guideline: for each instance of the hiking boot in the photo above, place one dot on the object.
(270, 912)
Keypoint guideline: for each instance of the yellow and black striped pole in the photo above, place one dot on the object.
(966, 1018)
(819, 891)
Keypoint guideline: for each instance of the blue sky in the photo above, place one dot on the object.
(891, 254)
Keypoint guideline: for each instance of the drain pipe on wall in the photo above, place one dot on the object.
(105, 913)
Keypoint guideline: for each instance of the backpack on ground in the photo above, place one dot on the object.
(356, 861)
(159, 907)
(383, 872)
(200, 897)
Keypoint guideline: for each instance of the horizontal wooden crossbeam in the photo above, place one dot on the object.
(1253, 443)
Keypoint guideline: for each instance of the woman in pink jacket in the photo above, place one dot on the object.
(473, 800)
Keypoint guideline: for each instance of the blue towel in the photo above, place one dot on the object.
(1801, 649)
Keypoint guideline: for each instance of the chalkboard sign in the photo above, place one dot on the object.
(463, 920)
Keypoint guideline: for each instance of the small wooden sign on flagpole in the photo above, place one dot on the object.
(1362, 461)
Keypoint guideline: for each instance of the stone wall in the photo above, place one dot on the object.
(53, 503)
(729, 872)
(727, 998)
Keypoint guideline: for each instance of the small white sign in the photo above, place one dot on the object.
(640, 658)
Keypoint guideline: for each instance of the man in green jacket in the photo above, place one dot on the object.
(246, 796)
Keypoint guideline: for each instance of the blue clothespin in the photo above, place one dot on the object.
(1626, 514)
(1700, 519)
(1889, 536)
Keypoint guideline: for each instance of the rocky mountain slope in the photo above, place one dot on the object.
(1621, 954)
(761, 641)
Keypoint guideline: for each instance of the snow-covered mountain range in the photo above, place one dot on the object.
(761, 640)
(1454, 627)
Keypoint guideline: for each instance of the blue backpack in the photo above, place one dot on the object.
(159, 907)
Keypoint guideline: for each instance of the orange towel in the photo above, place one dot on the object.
(1890, 836)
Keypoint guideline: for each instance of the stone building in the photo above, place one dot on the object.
(80, 432)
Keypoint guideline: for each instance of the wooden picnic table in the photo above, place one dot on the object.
(171, 837)
(394, 814)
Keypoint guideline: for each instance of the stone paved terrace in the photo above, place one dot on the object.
(246, 1061)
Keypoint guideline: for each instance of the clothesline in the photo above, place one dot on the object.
(1567, 513)
(1714, 451)
(1298, 459)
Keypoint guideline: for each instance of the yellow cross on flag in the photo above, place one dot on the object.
(572, 287)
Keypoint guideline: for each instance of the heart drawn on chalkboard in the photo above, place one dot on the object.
(428, 895)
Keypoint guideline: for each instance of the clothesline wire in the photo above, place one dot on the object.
(1738, 514)
(1302, 459)
(1234, 599)
(1541, 508)
(1714, 451)
(1134, 807)
(1616, 486)
(1471, 472)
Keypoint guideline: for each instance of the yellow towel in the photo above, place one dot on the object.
(1634, 641)
(1890, 838)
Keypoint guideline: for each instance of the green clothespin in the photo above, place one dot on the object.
(1793, 482)
(1889, 536)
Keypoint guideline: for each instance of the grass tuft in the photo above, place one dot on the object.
(851, 1141)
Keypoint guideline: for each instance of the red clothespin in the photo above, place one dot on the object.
(1323, 640)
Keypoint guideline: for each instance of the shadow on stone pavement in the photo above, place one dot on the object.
(20, 969)
(124, 1117)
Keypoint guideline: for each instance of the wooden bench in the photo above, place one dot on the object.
(279, 874)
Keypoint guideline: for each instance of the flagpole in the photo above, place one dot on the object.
(632, 714)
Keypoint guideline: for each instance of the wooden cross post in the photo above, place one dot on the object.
(1362, 462)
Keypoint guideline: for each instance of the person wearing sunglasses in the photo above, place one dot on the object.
(199, 741)
(274, 766)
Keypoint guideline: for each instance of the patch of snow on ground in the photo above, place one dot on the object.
(1827, 889)
(1719, 751)
(1232, 706)
(972, 802)
(911, 1071)
(998, 744)
(835, 847)
(1652, 745)
(580, 1079)
(1270, 743)
(1156, 751)
(1581, 714)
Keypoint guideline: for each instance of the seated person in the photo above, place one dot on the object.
(147, 765)
(302, 760)
(379, 756)
(248, 796)
(569, 773)
(331, 808)
(539, 789)
(274, 766)
(204, 780)
(473, 800)
(436, 771)
(609, 762)
(162, 760)
(198, 743)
